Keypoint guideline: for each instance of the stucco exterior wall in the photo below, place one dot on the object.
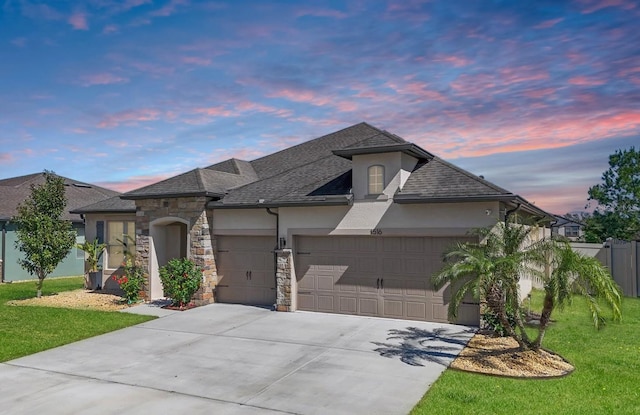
(397, 168)
(243, 221)
(388, 218)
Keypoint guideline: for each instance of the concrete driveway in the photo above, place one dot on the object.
(231, 359)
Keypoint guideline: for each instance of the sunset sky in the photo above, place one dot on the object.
(533, 95)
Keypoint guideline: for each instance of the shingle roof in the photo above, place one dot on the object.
(15, 190)
(112, 205)
(319, 171)
(197, 182)
(437, 178)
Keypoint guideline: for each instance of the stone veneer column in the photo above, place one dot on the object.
(286, 281)
(201, 253)
(200, 250)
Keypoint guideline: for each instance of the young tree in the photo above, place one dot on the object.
(573, 272)
(618, 212)
(43, 236)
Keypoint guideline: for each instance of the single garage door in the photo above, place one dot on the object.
(245, 270)
(376, 276)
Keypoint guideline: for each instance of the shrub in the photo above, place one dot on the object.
(181, 278)
(131, 282)
(492, 322)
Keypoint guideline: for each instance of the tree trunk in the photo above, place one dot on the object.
(496, 303)
(39, 287)
(545, 318)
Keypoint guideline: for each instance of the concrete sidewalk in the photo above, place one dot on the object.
(231, 359)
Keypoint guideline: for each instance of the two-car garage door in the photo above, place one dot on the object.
(376, 276)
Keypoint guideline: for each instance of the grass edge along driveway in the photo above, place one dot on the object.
(605, 380)
(31, 329)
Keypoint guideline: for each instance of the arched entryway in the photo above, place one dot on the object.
(169, 240)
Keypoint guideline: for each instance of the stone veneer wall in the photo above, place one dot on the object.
(286, 281)
(200, 251)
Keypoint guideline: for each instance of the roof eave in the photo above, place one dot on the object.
(407, 148)
(416, 198)
(84, 212)
(170, 195)
(333, 201)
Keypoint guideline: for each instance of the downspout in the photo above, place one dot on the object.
(510, 211)
(3, 264)
(277, 246)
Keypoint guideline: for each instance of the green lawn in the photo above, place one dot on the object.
(606, 379)
(28, 329)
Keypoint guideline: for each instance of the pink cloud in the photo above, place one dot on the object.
(456, 61)
(109, 29)
(6, 157)
(585, 81)
(134, 182)
(539, 93)
(552, 132)
(78, 21)
(169, 8)
(520, 74)
(595, 5)
(419, 89)
(129, 117)
(104, 78)
(548, 23)
(195, 60)
(310, 97)
(318, 12)
(214, 111)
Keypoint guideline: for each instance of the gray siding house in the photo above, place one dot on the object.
(14, 191)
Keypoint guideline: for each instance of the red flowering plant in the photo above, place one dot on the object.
(131, 281)
(181, 278)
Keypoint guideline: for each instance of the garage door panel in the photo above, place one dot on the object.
(326, 303)
(374, 276)
(416, 310)
(245, 270)
(392, 308)
(392, 245)
(368, 306)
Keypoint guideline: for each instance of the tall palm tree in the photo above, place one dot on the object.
(490, 269)
(576, 273)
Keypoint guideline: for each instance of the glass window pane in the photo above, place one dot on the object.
(376, 179)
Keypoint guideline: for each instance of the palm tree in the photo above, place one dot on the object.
(490, 269)
(576, 273)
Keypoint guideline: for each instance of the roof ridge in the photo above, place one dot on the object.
(315, 139)
(472, 176)
(198, 173)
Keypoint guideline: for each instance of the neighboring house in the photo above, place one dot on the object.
(14, 191)
(353, 222)
(569, 228)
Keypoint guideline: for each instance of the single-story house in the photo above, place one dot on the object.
(14, 191)
(352, 222)
(571, 229)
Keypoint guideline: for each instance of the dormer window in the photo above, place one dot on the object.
(376, 179)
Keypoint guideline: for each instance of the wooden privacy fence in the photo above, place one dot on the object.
(622, 258)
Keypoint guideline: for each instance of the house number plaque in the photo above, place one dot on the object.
(376, 231)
